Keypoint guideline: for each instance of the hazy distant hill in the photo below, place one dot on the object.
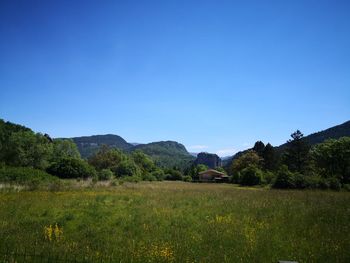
(88, 145)
(166, 153)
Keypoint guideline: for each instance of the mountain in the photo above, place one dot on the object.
(166, 153)
(334, 132)
(211, 160)
(88, 145)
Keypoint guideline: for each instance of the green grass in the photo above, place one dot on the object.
(181, 222)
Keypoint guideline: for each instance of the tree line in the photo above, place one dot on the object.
(26, 155)
(298, 166)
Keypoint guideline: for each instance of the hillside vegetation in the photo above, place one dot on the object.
(167, 154)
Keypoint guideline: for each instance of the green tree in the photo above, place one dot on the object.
(107, 158)
(270, 158)
(127, 168)
(105, 174)
(143, 161)
(259, 148)
(64, 148)
(285, 179)
(250, 158)
(25, 148)
(194, 170)
(71, 168)
(296, 154)
(173, 175)
(250, 175)
(332, 159)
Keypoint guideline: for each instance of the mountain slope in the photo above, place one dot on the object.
(88, 145)
(166, 153)
(334, 132)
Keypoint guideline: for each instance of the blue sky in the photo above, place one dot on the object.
(213, 75)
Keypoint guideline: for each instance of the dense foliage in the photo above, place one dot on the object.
(71, 168)
(10, 174)
(325, 165)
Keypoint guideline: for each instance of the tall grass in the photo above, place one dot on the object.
(180, 222)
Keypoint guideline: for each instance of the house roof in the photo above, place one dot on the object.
(212, 171)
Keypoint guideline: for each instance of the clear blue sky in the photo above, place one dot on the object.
(213, 75)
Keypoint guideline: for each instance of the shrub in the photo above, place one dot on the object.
(127, 168)
(251, 176)
(323, 183)
(305, 181)
(71, 168)
(130, 179)
(31, 177)
(269, 177)
(334, 183)
(187, 178)
(346, 187)
(159, 174)
(105, 174)
(284, 178)
(173, 175)
(235, 177)
(148, 177)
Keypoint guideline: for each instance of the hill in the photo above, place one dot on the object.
(166, 153)
(334, 132)
(88, 145)
(211, 160)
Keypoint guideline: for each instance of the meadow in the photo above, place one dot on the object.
(177, 222)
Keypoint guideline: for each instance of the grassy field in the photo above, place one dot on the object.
(179, 222)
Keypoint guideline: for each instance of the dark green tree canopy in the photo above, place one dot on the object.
(296, 153)
(107, 158)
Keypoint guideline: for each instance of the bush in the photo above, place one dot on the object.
(284, 179)
(159, 174)
(127, 168)
(130, 179)
(173, 175)
(187, 178)
(235, 178)
(148, 177)
(269, 177)
(334, 183)
(323, 183)
(346, 187)
(251, 176)
(31, 177)
(105, 174)
(71, 168)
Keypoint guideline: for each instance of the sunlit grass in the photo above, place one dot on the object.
(180, 222)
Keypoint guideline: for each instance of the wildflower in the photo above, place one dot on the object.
(53, 233)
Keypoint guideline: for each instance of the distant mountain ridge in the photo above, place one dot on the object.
(88, 145)
(164, 153)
